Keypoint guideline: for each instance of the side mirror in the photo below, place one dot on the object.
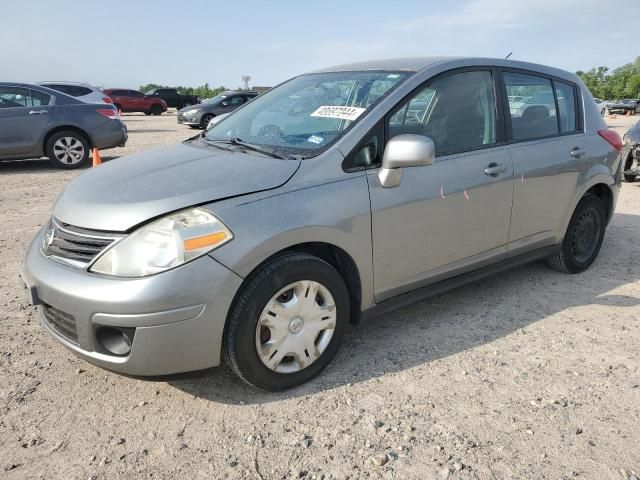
(224, 104)
(404, 151)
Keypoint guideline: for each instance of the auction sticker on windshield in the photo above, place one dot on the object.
(335, 111)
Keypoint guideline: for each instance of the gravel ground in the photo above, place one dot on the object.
(531, 374)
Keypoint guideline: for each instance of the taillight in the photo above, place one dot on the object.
(111, 113)
(612, 137)
(107, 100)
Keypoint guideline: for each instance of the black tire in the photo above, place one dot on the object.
(147, 113)
(626, 157)
(584, 236)
(206, 118)
(156, 109)
(239, 341)
(49, 149)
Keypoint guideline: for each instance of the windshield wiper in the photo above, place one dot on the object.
(248, 146)
(210, 143)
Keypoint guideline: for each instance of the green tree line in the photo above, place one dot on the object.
(622, 82)
(202, 92)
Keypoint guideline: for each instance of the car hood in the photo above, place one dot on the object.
(123, 193)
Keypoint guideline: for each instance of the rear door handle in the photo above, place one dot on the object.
(577, 152)
(37, 112)
(494, 169)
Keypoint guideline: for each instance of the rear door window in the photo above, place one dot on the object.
(237, 100)
(565, 94)
(39, 98)
(535, 116)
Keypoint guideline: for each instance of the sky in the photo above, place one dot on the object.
(190, 43)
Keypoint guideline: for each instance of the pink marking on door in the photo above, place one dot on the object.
(466, 195)
(442, 192)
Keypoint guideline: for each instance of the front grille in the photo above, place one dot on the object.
(61, 322)
(73, 245)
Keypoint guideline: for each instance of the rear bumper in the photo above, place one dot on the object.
(176, 318)
(110, 135)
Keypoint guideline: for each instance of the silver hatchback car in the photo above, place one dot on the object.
(341, 194)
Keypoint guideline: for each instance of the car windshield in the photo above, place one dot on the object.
(151, 92)
(215, 99)
(306, 114)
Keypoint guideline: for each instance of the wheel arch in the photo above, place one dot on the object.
(337, 257)
(62, 128)
(601, 185)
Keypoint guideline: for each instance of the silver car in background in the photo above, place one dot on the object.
(199, 116)
(82, 91)
(339, 195)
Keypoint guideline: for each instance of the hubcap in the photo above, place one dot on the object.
(68, 150)
(296, 326)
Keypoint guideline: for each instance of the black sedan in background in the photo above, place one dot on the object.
(36, 121)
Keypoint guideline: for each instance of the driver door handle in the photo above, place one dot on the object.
(577, 152)
(37, 112)
(494, 169)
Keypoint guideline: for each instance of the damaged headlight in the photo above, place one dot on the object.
(163, 244)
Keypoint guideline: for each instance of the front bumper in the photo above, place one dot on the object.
(178, 316)
(191, 120)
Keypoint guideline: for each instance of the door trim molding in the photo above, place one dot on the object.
(437, 288)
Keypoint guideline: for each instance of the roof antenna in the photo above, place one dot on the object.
(510, 53)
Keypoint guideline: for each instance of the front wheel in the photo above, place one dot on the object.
(204, 123)
(287, 323)
(583, 238)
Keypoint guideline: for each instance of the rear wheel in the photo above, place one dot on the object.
(156, 109)
(287, 323)
(67, 149)
(205, 120)
(583, 238)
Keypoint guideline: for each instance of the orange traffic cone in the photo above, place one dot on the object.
(96, 157)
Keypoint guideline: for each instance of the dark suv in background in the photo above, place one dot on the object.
(37, 121)
(134, 101)
(199, 116)
(173, 98)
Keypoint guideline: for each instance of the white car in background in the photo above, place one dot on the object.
(602, 105)
(82, 91)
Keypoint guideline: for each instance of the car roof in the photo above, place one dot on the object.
(236, 92)
(32, 85)
(60, 96)
(417, 64)
(63, 82)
